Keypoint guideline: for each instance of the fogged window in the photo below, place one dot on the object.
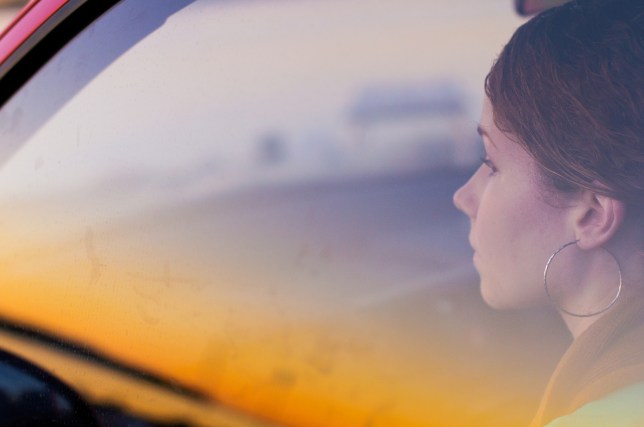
(254, 198)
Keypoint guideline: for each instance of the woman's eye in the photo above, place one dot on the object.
(487, 162)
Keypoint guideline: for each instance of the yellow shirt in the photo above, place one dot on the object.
(623, 408)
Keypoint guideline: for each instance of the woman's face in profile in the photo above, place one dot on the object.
(513, 227)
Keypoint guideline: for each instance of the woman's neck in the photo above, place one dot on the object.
(632, 288)
(577, 325)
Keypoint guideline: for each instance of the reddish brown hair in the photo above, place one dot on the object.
(569, 85)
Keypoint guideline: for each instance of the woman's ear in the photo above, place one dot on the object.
(596, 219)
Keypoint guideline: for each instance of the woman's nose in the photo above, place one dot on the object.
(465, 199)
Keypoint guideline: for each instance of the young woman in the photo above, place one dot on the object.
(557, 207)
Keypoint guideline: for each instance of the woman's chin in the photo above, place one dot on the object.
(493, 301)
(498, 299)
(495, 297)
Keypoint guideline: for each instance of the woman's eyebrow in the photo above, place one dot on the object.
(484, 133)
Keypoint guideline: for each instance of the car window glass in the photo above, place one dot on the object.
(254, 199)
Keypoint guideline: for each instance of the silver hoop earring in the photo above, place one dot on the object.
(545, 284)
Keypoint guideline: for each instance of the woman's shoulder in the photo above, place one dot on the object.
(622, 408)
